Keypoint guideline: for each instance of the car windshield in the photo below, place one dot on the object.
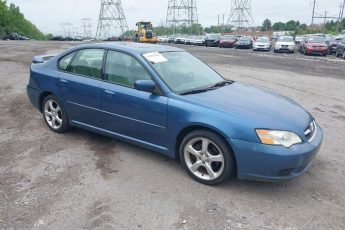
(316, 40)
(228, 38)
(182, 72)
(244, 39)
(212, 36)
(285, 39)
(263, 40)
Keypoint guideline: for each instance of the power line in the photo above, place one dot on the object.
(112, 20)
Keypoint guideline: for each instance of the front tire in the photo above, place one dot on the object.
(206, 157)
(54, 114)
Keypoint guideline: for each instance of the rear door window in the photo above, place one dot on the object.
(88, 63)
(65, 61)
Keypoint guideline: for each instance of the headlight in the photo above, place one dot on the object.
(273, 137)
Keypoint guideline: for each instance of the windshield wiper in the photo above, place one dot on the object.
(212, 87)
(195, 91)
(221, 84)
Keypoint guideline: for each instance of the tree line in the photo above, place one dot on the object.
(331, 27)
(13, 21)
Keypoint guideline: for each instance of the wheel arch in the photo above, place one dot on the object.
(185, 131)
(43, 95)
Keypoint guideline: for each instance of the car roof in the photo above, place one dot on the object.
(132, 47)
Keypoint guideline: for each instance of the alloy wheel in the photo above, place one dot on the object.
(204, 158)
(53, 114)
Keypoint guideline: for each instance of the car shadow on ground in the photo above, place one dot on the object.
(106, 148)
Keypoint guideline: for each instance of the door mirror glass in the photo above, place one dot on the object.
(145, 85)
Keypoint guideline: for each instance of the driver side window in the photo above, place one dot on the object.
(123, 69)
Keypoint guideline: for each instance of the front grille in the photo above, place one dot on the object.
(285, 46)
(310, 131)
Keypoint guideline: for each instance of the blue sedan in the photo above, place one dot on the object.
(166, 100)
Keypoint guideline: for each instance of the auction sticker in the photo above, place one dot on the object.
(155, 57)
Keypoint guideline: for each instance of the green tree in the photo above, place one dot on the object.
(278, 26)
(266, 25)
(13, 21)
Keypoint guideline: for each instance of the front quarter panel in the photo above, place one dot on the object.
(183, 114)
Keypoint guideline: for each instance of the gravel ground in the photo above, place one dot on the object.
(81, 180)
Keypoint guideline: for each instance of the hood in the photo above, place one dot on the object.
(228, 41)
(315, 44)
(262, 43)
(285, 43)
(256, 108)
(243, 42)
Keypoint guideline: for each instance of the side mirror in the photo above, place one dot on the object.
(145, 85)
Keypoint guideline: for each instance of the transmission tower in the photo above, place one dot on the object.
(112, 20)
(87, 27)
(181, 12)
(66, 28)
(241, 14)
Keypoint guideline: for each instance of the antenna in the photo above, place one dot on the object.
(241, 14)
(112, 20)
(87, 27)
(181, 12)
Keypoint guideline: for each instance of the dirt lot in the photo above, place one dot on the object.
(81, 180)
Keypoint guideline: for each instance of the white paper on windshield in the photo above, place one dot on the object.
(155, 57)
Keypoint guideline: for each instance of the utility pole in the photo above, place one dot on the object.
(112, 20)
(312, 18)
(181, 12)
(341, 15)
(324, 23)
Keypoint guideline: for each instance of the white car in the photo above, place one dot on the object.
(200, 41)
(285, 44)
(262, 43)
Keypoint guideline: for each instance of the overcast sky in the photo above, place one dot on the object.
(48, 15)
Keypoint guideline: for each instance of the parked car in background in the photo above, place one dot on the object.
(57, 38)
(284, 44)
(212, 40)
(171, 39)
(189, 41)
(11, 36)
(228, 41)
(314, 45)
(298, 40)
(262, 44)
(244, 43)
(200, 41)
(341, 49)
(180, 40)
(218, 128)
(78, 38)
(333, 44)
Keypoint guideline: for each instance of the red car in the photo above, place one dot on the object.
(227, 42)
(314, 45)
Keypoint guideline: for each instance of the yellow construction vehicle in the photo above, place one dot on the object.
(144, 33)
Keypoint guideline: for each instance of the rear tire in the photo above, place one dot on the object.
(344, 54)
(54, 114)
(206, 157)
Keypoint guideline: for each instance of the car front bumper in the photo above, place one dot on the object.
(261, 48)
(261, 162)
(316, 51)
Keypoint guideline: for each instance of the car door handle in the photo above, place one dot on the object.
(108, 92)
(63, 81)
